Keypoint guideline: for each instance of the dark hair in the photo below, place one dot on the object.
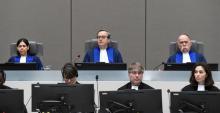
(2, 73)
(22, 40)
(109, 35)
(208, 81)
(69, 71)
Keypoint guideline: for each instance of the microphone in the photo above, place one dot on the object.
(76, 59)
(168, 91)
(168, 94)
(97, 77)
(157, 66)
(97, 89)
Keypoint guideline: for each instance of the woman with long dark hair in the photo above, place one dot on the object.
(23, 55)
(201, 79)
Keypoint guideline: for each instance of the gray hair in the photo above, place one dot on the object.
(135, 66)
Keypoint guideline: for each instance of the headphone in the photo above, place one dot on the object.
(109, 35)
(69, 68)
(3, 75)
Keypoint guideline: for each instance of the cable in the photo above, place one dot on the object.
(28, 101)
(157, 66)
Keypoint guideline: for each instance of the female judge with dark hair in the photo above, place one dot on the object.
(23, 55)
(201, 79)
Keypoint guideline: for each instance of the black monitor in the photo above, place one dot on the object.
(101, 66)
(131, 101)
(194, 102)
(61, 98)
(18, 66)
(186, 66)
(11, 101)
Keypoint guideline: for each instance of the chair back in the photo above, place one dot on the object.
(196, 46)
(90, 44)
(35, 49)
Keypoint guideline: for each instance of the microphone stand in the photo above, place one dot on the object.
(75, 60)
(97, 91)
(156, 67)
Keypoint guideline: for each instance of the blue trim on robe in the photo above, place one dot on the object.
(96, 53)
(109, 53)
(179, 57)
(29, 59)
(93, 55)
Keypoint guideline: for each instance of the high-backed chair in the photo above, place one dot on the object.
(90, 44)
(35, 49)
(196, 46)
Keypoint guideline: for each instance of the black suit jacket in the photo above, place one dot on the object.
(141, 86)
(191, 87)
(4, 87)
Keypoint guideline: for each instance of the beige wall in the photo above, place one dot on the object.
(143, 28)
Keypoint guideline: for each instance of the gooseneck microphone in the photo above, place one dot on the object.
(97, 90)
(168, 91)
(157, 66)
(168, 94)
(76, 59)
(97, 77)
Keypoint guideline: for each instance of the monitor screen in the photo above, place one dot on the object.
(11, 101)
(101, 66)
(131, 101)
(186, 66)
(62, 98)
(18, 66)
(194, 102)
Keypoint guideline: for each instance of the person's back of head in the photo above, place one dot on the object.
(69, 73)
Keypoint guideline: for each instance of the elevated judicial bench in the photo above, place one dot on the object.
(107, 80)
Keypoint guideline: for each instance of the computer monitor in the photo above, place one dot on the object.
(62, 98)
(131, 101)
(186, 66)
(18, 66)
(101, 66)
(194, 102)
(11, 101)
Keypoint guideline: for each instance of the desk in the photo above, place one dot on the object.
(108, 80)
(55, 75)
